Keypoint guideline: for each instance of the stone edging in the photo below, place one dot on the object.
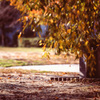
(75, 79)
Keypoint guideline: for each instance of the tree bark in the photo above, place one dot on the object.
(84, 70)
(3, 35)
(98, 63)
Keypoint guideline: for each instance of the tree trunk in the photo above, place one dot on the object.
(83, 65)
(84, 70)
(3, 35)
(98, 63)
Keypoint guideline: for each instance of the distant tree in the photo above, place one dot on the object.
(74, 25)
(8, 18)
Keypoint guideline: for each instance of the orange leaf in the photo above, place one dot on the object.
(40, 88)
(56, 97)
(78, 12)
(69, 31)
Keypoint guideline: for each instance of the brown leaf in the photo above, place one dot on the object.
(40, 88)
(56, 98)
(20, 75)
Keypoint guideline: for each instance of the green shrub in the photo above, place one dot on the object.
(30, 42)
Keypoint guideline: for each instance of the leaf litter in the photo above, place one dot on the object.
(38, 86)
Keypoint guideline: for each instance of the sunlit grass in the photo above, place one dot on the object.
(22, 71)
(18, 49)
(11, 63)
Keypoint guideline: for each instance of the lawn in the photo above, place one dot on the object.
(31, 56)
(19, 49)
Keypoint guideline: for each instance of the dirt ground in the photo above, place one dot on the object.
(38, 86)
(38, 58)
(16, 86)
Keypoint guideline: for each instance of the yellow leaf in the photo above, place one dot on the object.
(46, 55)
(69, 31)
(44, 47)
(51, 38)
(51, 45)
(78, 12)
(86, 43)
(40, 42)
(56, 16)
(95, 8)
(61, 47)
(75, 6)
(51, 20)
(19, 35)
(55, 45)
(62, 9)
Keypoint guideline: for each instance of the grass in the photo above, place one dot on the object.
(11, 62)
(22, 71)
(18, 49)
(31, 58)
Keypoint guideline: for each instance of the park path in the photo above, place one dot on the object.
(54, 68)
(67, 68)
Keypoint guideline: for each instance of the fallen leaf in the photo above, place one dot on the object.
(20, 75)
(40, 88)
(8, 77)
(56, 97)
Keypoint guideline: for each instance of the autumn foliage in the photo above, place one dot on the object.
(74, 25)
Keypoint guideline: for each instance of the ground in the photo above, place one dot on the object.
(38, 86)
(35, 85)
(32, 56)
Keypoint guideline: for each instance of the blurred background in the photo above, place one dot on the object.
(10, 28)
(26, 50)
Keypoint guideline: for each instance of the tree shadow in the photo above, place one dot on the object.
(20, 92)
